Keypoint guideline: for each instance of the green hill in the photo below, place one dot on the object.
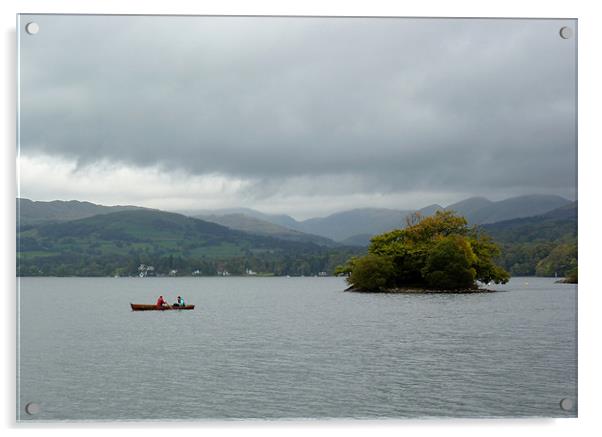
(544, 245)
(117, 243)
(252, 225)
(361, 240)
(31, 212)
(555, 225)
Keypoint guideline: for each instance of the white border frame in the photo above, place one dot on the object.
(590, 34)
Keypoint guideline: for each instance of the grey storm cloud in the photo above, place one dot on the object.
(392, 104)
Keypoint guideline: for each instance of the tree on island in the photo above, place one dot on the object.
(440, 252)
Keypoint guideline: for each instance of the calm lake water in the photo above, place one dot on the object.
(291, 348)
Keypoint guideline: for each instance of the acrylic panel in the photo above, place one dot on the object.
(231, 217)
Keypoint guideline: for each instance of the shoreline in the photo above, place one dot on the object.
(416, 290)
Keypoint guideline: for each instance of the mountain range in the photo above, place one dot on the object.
(351, 227)
(478, 210)
(52, 239)
(560, 223)
(357, 226)
(253, 225)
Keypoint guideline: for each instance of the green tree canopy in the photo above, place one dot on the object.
(372, 272)
(561, 260)
(437, 252)
(449, 263)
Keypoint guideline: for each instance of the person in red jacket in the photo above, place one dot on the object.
(161, 302)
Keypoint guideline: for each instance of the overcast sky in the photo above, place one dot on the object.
(305, 116)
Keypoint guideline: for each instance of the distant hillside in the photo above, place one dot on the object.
(430, 210)
(356, 227)
(117, 243)
(242, 222)
(361, 240)
(478, 210)
(346, 224)
(543, 245)
(36, 212)
(375, 221)
(277, 219)
(470, 207)
(569, 211)
(336, 227)
(554, 225)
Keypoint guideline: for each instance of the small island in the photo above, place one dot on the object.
(440, 254)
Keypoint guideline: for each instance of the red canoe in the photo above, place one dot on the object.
(150, 307)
